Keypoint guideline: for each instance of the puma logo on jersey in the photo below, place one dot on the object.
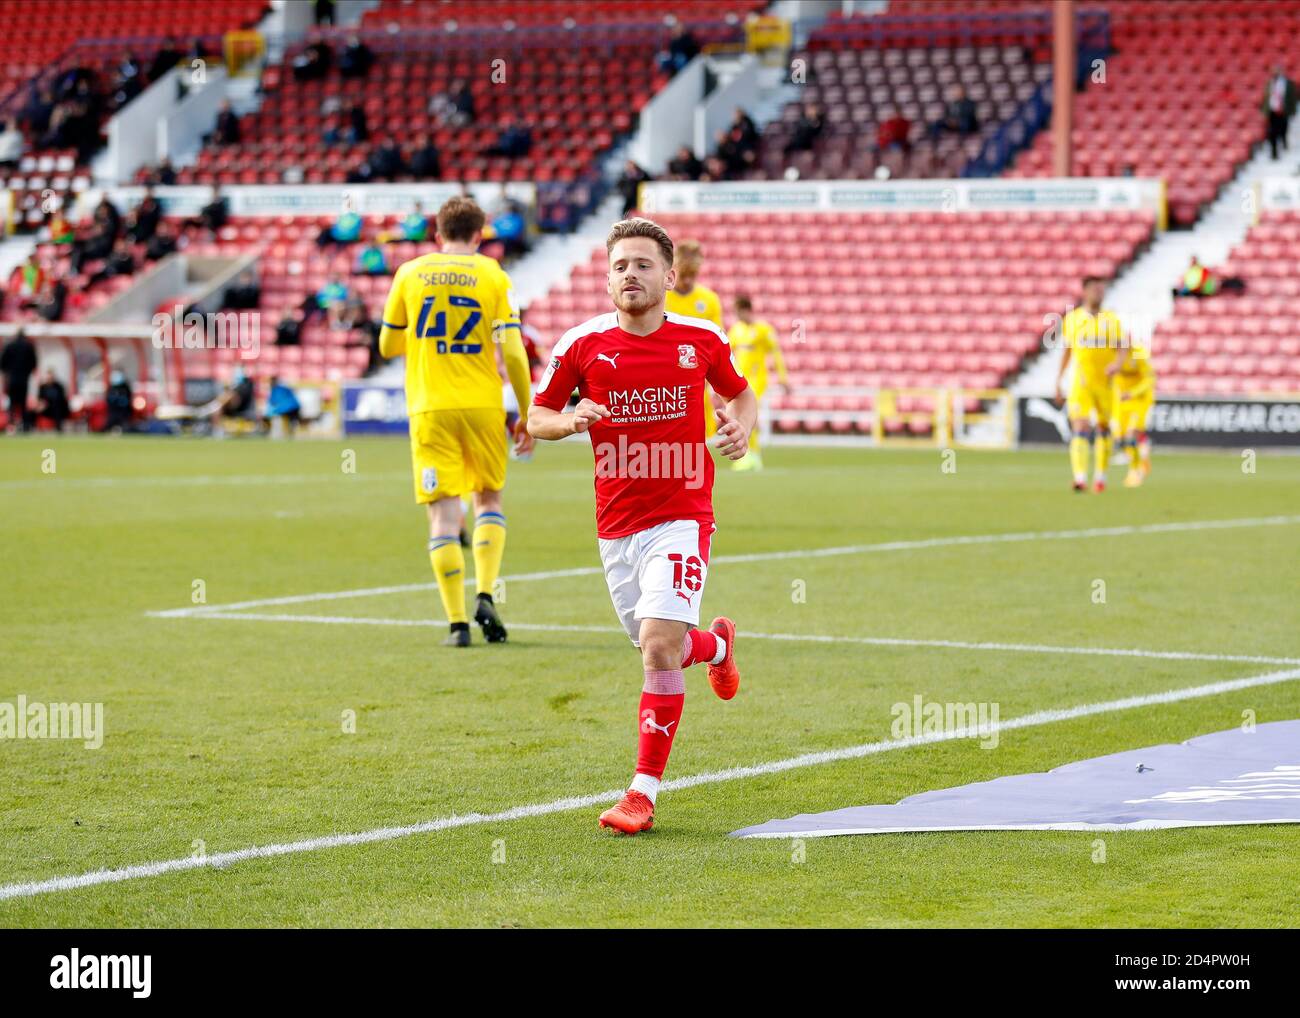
(612, 358)
(659, 728)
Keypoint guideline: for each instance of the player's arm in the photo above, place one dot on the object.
(1060, 374)
(737, 419)
(392, 334)
(547, 418)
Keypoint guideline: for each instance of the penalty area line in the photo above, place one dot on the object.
(221, 860)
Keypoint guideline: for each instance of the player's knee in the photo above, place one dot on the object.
(487, 502)
(661, 650)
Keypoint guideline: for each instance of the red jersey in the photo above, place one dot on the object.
(651, 462)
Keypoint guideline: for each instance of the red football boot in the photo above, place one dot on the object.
(725, 677)
(632, 814)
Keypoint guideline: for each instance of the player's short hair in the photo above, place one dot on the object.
(459, 219)
(743, 303)
(689, 252)
(638, 227)
(1088, 280)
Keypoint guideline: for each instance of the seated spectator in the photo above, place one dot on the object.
(51, 303)
(356, 318)
(38, 110)
(509, 226)
(165, 174)
(735, 157)
(356, 59)
(288, 331)
(323, 12)
(629, 185)
(12, 144)
(682, 49)
(162, 243)
(332, 298)
(714, 169)
(959, 115)
(165, 59)
(349, 127)
(244, 294)
(415, 227)
(226, 131)
(61, 230)
(238, 400)
(370, 261)
(744, 130)
(27, 282)
(344, 230)
(455, 107)
(1202, 281)
(684, 165)
(107, 216)
(120, 262)
(142, 222)
(892, 132)
(212, 217)
(52, 400)
(426, 162)
(513, 141)
(314, 62)
(386, 162)
(282, 402)
(806, 129)
(119, 400)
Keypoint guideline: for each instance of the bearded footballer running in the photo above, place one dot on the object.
(640, 373)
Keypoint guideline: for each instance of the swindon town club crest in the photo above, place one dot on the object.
(686, 356)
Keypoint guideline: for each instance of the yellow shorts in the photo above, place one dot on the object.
(1089, 397)
(456, 452)
(1131, 414)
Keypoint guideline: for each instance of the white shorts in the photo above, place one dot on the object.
(657, 573)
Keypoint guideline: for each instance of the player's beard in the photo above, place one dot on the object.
(636, 302)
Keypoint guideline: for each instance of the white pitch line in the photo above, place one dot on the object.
(771, 556)
(33, 888)
(872, 641)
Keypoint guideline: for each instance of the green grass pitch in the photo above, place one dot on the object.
(224, 734)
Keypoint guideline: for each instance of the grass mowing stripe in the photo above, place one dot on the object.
(223, 859)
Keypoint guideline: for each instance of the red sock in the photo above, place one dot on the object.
(700, 646)
(662, 699)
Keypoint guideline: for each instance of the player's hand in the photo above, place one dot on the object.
(732, 440)
(1059, 399)
(524, 442)
(587, 413)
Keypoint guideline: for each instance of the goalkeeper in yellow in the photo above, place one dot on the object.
(1134, 382)
(1094, 339)
(449, 312)
(753, 344)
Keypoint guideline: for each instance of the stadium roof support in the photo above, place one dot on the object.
(1064, 69)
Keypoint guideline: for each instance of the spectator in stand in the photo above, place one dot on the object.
(323, 12)
(162, 243)
(349, 127)
(356, 59)
(426, 162)
(682, 49)
(121, 262)
(1279, 107)
(806, 129)
(714, 170)
(98, 242)
(314, 62)
(370, 261)
(226, 131)
(509, 225)
(239, 401)
(244, 294)
(1202, 281)
(893, 131)
(61, 231)
(18, 364)
(743, 130)
(386, 162)
(454, 108)
(53, 300)
(52, 400)
(129, 83)
(288, 331)
(27, 281)
(108, 217)
(12, 144)
(282, 401)
(959, 116)
(142, 222)
(356, 318)
(629, 185)
(735, 156)
(212, 217)
(332, 298)
(38, 110)
(415, 227)
(514, 141)
(119, 401)
(165, 59)
(165, 174)
(344, 230)
(684, 165)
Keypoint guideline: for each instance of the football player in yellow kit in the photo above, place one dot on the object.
(1135, 395)
(687, 297)
(449, 311)
(753, 344)
(1094, 339)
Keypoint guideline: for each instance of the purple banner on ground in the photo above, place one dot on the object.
(1232, 777)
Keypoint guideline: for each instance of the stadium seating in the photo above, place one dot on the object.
(1234, 345)
(576, 90)
(864, 301)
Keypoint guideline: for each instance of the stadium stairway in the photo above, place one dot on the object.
(1142, 293)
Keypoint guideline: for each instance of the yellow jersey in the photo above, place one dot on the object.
(1095, 341)
(701, 302)
(444, 313)
(752, 343)
(1136, 378)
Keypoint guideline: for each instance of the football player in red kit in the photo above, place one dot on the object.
(640, 373)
